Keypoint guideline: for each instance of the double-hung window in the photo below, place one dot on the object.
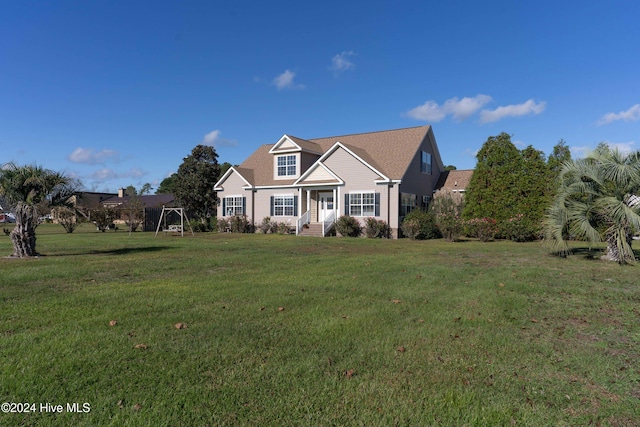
(362, 204)
(284, 206)
(286, 165)
(233, 205)
(425, 162)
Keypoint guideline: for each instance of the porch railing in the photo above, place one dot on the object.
(304, 219)
(328, 222)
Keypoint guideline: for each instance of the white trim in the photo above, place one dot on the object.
(282, 140)
(229, 171)
(339, 144)
(312, 168)
(298, 161)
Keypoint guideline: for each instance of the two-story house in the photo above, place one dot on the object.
(310, 183)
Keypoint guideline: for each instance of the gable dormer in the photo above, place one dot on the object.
(292, 156)
(286, 158)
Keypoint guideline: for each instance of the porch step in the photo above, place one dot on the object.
(314, 230)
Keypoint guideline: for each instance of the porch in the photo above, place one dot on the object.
(319, 211)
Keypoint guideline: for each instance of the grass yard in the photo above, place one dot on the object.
(285, 331)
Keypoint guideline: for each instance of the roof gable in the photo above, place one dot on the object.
(237, 170)
(288, 144)
(319, 174)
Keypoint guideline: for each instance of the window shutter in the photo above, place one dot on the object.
(295, 205)
(346, 204)
(244, 206)
(224, 206)
(271, 210)
(377, 209)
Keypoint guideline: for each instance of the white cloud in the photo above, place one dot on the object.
(514, 110)
(623, 147)
(285, 81)
(341, 62)
(583, 151)
(631, 115)
(89, 156)
(460, 109)
(106, 174)
(430, 111)
(213, 139)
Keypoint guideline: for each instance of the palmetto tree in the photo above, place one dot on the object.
(598, 200)
(27, 189)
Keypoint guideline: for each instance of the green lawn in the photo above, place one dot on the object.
(288, 331)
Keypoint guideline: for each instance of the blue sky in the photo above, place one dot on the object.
(117, 93)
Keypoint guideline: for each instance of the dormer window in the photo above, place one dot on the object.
(286, 165)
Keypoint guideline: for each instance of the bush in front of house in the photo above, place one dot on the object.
(240, 224)
(521, 228)
(266, 225)
(485, 229)
(420, 225)
(283, 228)
(348, 226)
(448, 207)
(374, 228)
(223, 225)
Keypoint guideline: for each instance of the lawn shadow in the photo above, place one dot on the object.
(125, 251)
(118, 251)
(588, 253)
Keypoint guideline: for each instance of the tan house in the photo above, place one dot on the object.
(454, 181)
(310, 183)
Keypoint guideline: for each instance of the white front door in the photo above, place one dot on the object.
(326, 204)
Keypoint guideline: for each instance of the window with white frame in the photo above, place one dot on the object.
(286, 165)
(233, 205)
(283, 206)
(362, 204)
(407, 203)
(425, 162)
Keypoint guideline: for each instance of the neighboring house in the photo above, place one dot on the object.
(147, 200)
(310, 183)
(86, 202)
(455, 181)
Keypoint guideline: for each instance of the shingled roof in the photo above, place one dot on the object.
(455, 180)
(390, 152)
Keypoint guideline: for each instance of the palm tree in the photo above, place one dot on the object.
(28, 189)
(598, 200)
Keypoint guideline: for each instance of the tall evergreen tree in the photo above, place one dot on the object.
(194, 181)
(510, 186)
(492, 191)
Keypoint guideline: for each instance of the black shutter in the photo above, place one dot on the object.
(244, 206)
(271, 210)
(346, 204)
(377, 208)
(224, 206)
(295, 205)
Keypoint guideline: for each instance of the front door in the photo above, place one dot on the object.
(326, 204)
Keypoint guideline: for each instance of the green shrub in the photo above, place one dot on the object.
(240, 224)
(348, 226)
(484, 229)
(283, 228)
(374, 228)
(223, 225)
(448, 207)
(265, 225)
(521, 228)
(420, 225)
